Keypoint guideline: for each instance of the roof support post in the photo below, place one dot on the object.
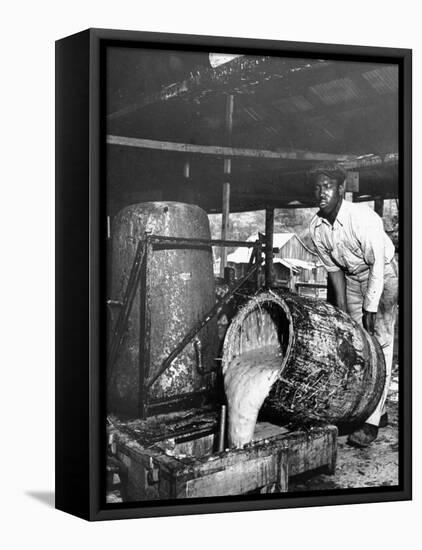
(226, 184)
(379, 207)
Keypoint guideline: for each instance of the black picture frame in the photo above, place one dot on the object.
(80, 311)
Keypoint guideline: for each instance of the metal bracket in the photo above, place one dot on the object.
(206, 319)
(197, 344)
(153, 473)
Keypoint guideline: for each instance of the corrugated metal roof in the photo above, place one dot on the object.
(294, 104)
(383, 80)
(241, 255)
(295, 263)
(336, 91)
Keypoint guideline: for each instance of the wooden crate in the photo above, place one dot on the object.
(187, 465)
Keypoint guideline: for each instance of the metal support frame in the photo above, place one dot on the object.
(194, 331)
(269, 240)
(144, 330)
(188, 242)
(254, 264)
(258, 260)
(120, 325)
(139, 274)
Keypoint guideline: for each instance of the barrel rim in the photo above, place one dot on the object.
(379, 381)
(251, 304)
(159, 204)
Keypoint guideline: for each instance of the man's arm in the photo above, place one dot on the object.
(373, 247)
(336, 283)
(336, 292)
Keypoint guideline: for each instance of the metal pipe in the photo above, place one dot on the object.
(222, 432)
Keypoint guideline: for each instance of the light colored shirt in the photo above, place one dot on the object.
(355, 243)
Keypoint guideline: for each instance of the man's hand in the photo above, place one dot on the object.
(368, 321)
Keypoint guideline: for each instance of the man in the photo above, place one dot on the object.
(362, 273)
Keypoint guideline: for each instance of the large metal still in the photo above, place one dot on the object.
(176, 289)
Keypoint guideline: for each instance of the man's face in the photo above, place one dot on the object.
(328, 193)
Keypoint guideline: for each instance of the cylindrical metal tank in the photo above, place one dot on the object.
(179, 291)
(330, 369)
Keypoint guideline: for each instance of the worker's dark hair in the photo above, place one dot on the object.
(333, 171)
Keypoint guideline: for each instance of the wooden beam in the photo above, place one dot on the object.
(216, 150)
(371, 161)
(372, 197)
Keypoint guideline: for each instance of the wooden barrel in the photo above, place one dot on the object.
(330, 369)
(179, 291)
